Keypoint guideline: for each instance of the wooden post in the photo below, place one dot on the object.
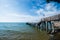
(41, 26)
(49, 27)
(46, 26)
(52, 26)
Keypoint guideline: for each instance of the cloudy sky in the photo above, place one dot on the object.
(27, 10)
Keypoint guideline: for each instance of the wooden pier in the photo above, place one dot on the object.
(49, 24)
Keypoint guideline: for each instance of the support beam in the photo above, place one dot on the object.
(46, 26)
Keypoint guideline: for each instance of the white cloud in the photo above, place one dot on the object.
(15, 17)
(6, 15)
(48, 10)
(39, 11)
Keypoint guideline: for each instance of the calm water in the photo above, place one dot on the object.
(22, 27)
(18, 31)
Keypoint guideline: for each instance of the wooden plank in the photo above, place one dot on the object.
(52, 18)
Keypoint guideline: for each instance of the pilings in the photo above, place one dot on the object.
(49, 24)
(46, 26)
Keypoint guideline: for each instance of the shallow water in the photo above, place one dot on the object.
(15, 26)
(19, 31)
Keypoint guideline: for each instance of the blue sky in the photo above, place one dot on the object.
(27, 10)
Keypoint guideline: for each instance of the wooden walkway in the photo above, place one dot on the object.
(49, 24)
(52, 18)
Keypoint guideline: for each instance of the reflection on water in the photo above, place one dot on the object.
(18, 31)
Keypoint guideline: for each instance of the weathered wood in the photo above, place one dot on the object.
(52, 18)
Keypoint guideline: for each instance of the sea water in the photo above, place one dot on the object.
(22, 27)
(19, 31)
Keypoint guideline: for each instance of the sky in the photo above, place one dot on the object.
(27, 10)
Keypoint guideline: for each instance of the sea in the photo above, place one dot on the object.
(22, 27)
(20, 31)
(17, 31)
